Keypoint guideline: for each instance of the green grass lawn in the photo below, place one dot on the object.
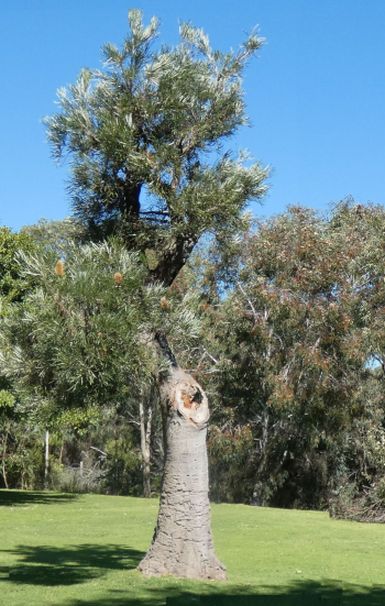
(83, 550)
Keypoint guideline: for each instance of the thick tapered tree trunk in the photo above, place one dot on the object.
(182, 544)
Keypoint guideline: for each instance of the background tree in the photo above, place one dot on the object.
(292, 341)
(12, 284)
(55, 236)
(13, 287)
(360, 491)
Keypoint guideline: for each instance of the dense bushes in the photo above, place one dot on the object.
(299, 343)
(285, 329)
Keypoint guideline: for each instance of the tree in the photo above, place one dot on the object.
(292, 305)
(56, 236)
(296, 340)
(360, 491)
(12, 285)
(145, 137)
(78, 340)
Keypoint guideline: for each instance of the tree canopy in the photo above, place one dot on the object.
(145, 136)
(12, 284)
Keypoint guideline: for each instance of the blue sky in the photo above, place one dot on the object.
(315, 94)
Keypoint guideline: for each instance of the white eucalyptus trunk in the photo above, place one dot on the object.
(182, 544)
(145, 445)
(3, 459)
(46, 458)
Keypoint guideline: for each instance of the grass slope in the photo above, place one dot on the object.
(83, 550)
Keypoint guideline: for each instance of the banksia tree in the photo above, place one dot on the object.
(146, 136)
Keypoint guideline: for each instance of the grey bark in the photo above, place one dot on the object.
(145, 444)
(182, 544)
(3, 464)
(46, 458)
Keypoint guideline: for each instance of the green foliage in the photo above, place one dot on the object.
(141, 133)
(229, 451)
(78, 420)
(75, 337)
(295, 338)
(123, 463)
(284, 326)
(7, 399)
(12, 284)
(21, 445)
(55, 236)
(84, 336)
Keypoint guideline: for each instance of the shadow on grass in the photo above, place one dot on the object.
(14, 498)
(46, 565)
(300, 593)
